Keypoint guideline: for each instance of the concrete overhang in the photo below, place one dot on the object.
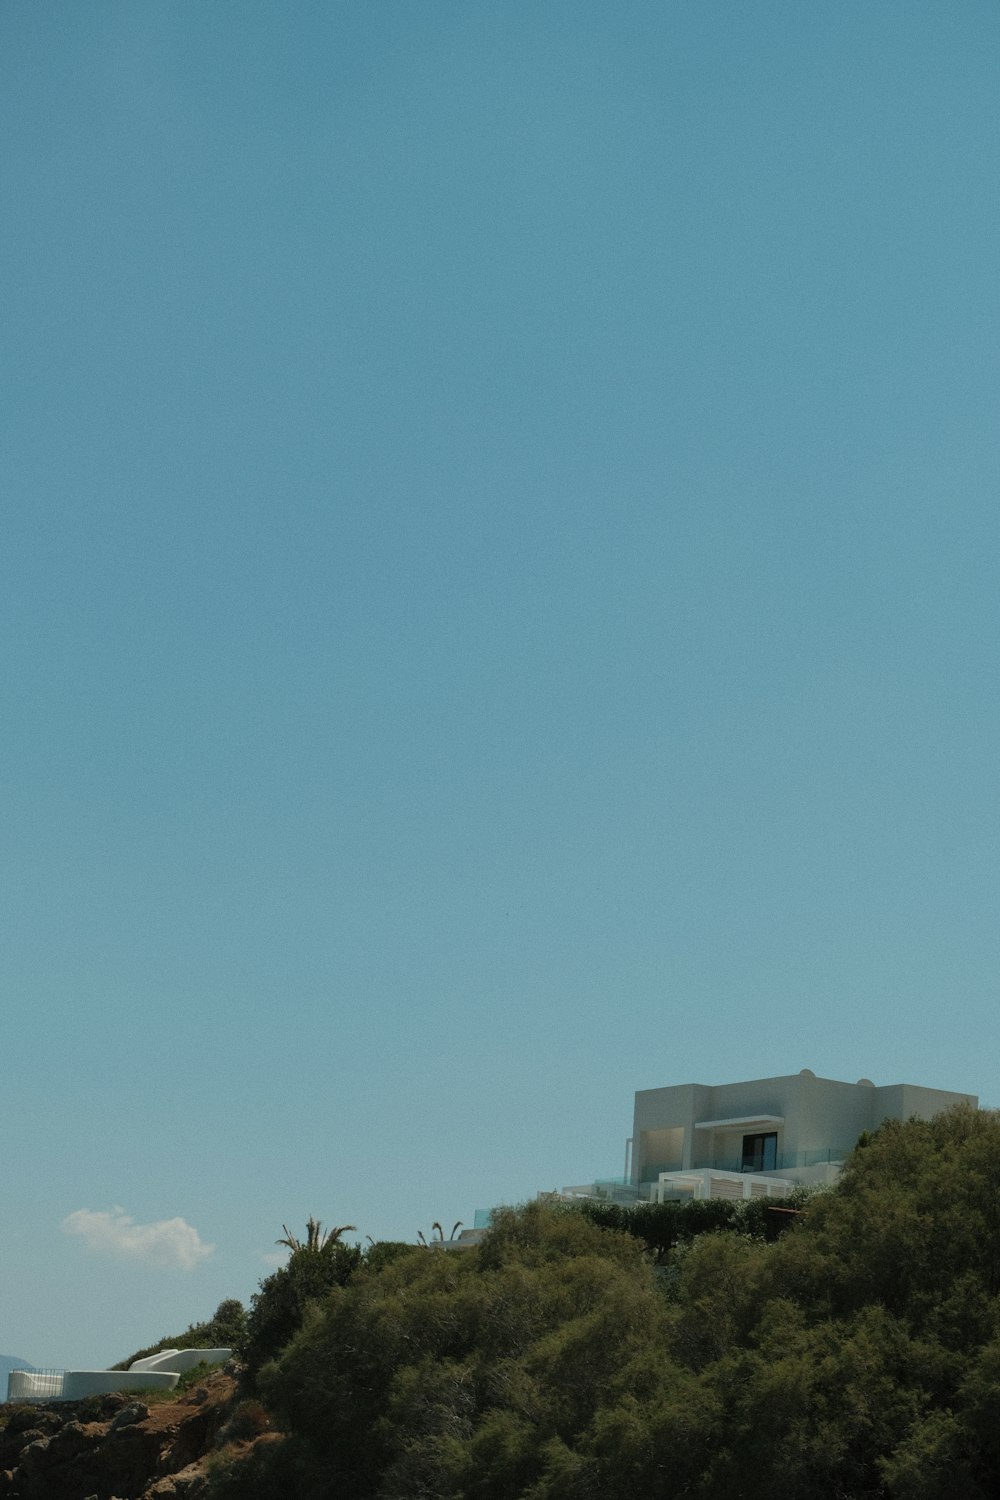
(740, 1122)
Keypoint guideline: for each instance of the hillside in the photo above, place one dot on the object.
(856, 1355)
(848, 1346)
(114, 1446)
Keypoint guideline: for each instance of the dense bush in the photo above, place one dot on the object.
(278, 1307)
(388, 1377)
(856, 1356)
(663, 1226)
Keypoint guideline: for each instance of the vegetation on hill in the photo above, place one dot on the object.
(316, 1266)
(848, 1348)
(113, 1444)
(597, 1353)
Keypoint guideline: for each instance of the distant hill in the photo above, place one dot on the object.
(10, 1362)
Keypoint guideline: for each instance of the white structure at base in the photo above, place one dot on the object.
(179, 1360)
(158, 1372)
(755, 1139)
(35, 1385)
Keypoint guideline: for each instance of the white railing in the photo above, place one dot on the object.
(35, 1385)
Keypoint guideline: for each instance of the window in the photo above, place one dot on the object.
(760, 1152)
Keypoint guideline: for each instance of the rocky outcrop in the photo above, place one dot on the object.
(113, 1447)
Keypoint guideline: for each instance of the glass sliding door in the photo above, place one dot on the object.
(760, 1152)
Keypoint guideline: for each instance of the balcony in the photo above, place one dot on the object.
(783, 1161)
(605, 1189)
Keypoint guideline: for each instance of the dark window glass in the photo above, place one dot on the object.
(760, 1152)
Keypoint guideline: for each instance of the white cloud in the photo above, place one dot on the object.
(168, 1242)
(274, 1257)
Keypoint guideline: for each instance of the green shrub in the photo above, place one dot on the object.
(247, 1420)
(195, 1376)
(278, 1308)
(664, 1226)
(382, 1253)
(282, 1469)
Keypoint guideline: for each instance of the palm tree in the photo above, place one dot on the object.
(317, 1239)
(440, 1234)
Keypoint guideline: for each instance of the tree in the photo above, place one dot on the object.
(323, 1261)
(480, 1372)
(317, 1238)
(580, 1354)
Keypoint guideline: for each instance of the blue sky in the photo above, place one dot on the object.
(499, 582)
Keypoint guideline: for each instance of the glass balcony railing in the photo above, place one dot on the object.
(783, 1161)
(610, 1189)
(652, 1173)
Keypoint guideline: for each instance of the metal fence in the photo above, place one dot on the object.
(35, 1385)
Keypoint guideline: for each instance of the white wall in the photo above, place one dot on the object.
(180, 1360)
(158, 1372)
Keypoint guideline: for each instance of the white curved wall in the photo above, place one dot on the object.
(181, 1359)
(31, 1385)
(157, 1372)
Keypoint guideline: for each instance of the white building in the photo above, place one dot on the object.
(158, 1372)
(755, 1139)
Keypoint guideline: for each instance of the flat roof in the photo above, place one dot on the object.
(739, 1120)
